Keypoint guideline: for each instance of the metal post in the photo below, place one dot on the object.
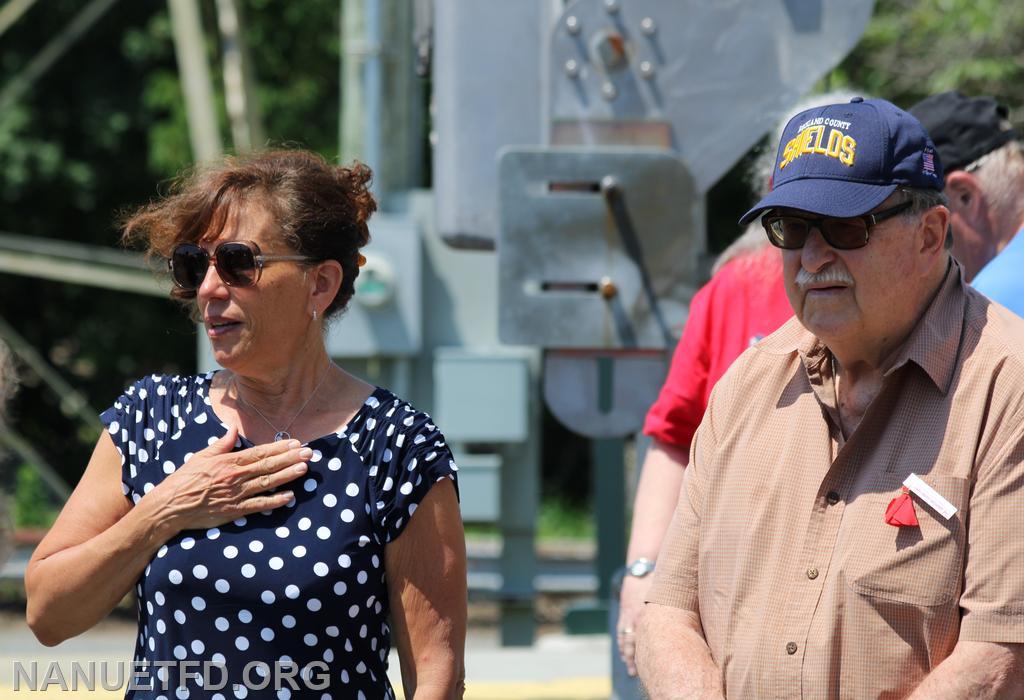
(520, 494)
(195, 80)
(239, 80)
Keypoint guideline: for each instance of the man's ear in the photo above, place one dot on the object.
(964, 194)
(934, 225)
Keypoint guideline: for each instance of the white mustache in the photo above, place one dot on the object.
(830, 275)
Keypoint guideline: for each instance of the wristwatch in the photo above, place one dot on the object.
(641, 567)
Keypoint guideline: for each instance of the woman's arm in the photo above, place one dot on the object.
(100, 544)
(426, 573)
(657, 494)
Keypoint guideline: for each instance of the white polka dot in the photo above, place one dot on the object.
(363, 540)
(363, 632)
(344, 676)
(174, 576)
(310, 640)
(212, 439)
(162, 552)
(201, 418)
(288, 621)
(267, 634)
(113, 427)
(180, 652)
(388, 455)
(248, 570)
(241, 643)
(231, 551)
(199, 571)
(361, 577)
(281, 532)
(309, 484)
(222, 586)
(159, 598)
(313, 604)
(221, 623)
(244, 616)
(330, 500)
(361, 668)
(323, 532)
(388, 484)
(353, 611)
(328, 655)
(406, 488)
(213, 533)
(334, 464)
(179, 617)
(198, 647)
(317, 456)
(352, 490)
(240, 522)
(332, 631)
(168, 467)
(305, 524)
(161, 626)
(340, 588)
(347, 515)
(276, 563)
(268, 597)
(299, 551)
(320, 569)
(375, 560)
(344, 561)
(198, 603)
(292, 591)
(255, 546)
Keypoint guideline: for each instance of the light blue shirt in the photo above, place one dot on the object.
(1002, 279)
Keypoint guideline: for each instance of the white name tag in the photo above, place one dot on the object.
(930, 496)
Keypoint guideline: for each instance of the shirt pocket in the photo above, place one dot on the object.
(915, 565)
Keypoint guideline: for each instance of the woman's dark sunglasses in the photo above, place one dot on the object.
(791, 232)
(239, 264)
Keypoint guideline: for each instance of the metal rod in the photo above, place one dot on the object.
(12, 12)
(195, 80)
(57, 47)
(24, 449)
(72, 403)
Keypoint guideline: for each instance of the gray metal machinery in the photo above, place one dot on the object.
(578, 139)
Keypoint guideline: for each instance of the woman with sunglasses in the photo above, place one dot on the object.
(279, 516)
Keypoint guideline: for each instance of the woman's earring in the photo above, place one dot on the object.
(314, 314)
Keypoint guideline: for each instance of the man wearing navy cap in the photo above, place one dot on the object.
(984, 163)
(849, 523)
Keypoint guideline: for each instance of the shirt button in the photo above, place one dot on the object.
(832, 498)
(812, 573)
(791, 648)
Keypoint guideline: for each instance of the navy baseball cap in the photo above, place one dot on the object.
(845, 159)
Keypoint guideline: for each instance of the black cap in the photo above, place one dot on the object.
(963, 128)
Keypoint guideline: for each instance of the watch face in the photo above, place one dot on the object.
(641, 567)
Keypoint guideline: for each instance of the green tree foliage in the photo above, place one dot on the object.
(914, 48)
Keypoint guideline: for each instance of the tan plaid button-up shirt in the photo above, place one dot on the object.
(779, 540)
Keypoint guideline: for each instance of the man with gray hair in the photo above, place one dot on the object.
(984, 163)
(842, 525)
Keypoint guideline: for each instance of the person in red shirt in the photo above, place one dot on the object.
(744, 301)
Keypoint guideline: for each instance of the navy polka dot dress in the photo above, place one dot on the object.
(300, 589)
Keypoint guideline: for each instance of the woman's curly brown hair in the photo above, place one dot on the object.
(321, 209)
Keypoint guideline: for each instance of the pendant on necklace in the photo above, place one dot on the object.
(281, 435)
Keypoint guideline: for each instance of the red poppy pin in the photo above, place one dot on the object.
(900, 512)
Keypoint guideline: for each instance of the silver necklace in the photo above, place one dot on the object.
(282, 434)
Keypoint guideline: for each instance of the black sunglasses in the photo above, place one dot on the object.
(239, 264)
(791, 232)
